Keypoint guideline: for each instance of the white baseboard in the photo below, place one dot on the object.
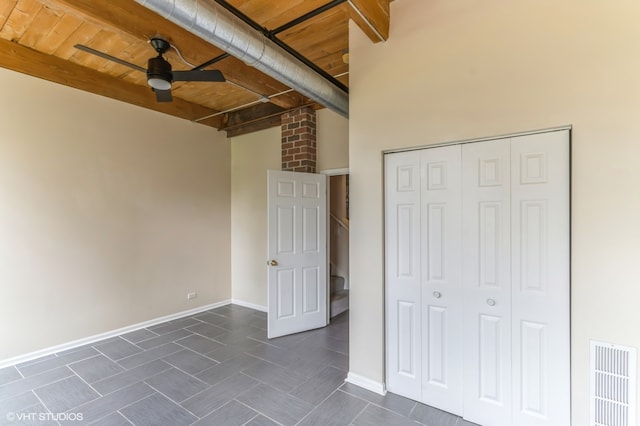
(91, 339)
(249, 305)
(366, 383)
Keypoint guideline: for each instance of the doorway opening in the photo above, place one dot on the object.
(339, 244)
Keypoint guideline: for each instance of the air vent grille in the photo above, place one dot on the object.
(613, 385)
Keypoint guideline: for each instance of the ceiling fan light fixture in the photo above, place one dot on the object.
(159, 83)
(159, 73)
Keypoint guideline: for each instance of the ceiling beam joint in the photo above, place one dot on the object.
(306, 16)
(373, 17)
(271, 35)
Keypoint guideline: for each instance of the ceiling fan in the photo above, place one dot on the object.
(159, 72)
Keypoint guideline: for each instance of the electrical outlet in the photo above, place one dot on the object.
(191, 296)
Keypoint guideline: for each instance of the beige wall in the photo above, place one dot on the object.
(332, 133)
(458, 69)
(251, 156)
(109, 215)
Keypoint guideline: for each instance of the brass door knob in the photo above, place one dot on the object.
(272, 263)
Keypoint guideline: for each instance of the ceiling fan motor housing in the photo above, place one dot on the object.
(159, 71)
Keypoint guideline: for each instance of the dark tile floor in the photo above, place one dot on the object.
(212, 368)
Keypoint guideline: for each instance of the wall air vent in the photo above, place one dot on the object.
(613, 385)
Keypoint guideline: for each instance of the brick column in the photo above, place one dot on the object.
(299, 140)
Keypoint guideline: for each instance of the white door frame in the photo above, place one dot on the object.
(481, 139)
(335, 172)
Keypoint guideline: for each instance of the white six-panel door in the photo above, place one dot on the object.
(486, 277)
(540, 279)
(477, 256)
(425, 299)
(441, 244)
(297, 246)
(404, 337)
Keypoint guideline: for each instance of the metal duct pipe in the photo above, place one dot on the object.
(215, 24)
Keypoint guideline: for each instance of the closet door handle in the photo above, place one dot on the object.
(491, 302)
(437, 294)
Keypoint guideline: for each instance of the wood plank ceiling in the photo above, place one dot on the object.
(37, 37)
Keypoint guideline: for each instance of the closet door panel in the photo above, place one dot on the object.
(477, 279)
(486, 281)
(403, 274)
(540, 276)
(441, 260)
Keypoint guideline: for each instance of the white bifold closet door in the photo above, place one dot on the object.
(477, 257)
(540, 277)
(486, 277)
(403, 270)
(441, 274)
(423, 274)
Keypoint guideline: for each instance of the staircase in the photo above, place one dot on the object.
(339, 296)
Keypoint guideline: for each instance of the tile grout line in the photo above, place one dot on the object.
(41, 402)
(86, 383)
(373, 403)
(55, 381)
(172, 331)
(32, 389)
(191, 375)
(412, 410)
(250, 408)
(52, 368)
(158, 391)
(260, 413)
(105, 355)
(318, 405)
(233, 399)
(131, 384)
(12, 381)
(148, 361)
(252, 418)
(145, 329)
(360, 412)
(210, 386)
(185, 372)
(22, 376)
(118, 410)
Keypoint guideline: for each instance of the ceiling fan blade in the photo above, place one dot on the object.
(109, 57)
(197, 75)
(163, 95)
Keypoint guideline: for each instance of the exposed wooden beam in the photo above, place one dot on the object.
(257, 117)
(252, 119)
(372, 16)
(252, 113)
(127, 16)
(48, 67)
(254, 126)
